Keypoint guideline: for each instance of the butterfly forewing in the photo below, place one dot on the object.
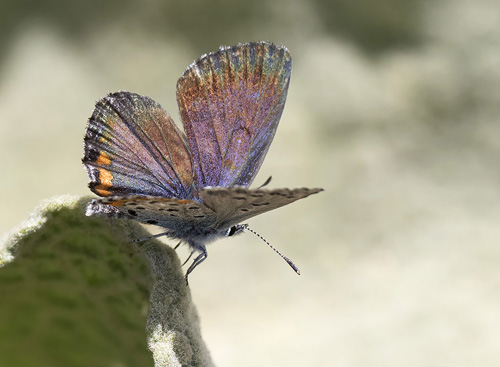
(132, 146)
(230, 103)
(237, 204)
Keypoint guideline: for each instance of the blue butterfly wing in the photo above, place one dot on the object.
(230, 102)
(132, 146)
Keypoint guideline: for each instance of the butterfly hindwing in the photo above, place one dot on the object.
(181, 216)
(230, 103)
(132, 146)
(236, 204)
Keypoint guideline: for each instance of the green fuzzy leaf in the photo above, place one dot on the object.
(74, 291)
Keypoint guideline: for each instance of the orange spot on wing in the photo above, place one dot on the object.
(102, 190)
(117, 203)
(105, 179)
(103, 159)
(145, 198)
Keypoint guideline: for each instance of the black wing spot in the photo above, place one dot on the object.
(239, 198)
(92, 154)
(194, 208)
(171, 210)
(260, 204)
(198, 216)
(152, 221)
(132, 212)
(245, 209)
(140, 207)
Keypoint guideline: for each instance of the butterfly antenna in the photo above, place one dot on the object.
(292, 265)
(265, 183)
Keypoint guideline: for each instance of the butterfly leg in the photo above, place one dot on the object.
(150, 237)
(197, 261)
(191, 254)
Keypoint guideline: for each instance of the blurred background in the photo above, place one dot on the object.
(393, 108)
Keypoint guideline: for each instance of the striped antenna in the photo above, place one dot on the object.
(292, 265)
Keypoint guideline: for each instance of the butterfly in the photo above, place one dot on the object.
(193, 184)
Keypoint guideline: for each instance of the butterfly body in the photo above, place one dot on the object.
(195, 185)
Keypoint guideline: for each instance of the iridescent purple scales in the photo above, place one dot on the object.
(194, 184)
(233, 100)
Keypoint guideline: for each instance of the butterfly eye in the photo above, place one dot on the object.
(235, 230)
(231, 231)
